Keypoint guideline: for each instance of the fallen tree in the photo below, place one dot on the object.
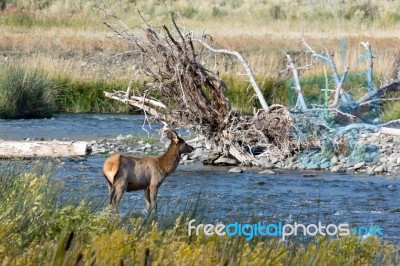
(36, 149)
(182, 92)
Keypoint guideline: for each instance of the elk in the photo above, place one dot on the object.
(126, 173)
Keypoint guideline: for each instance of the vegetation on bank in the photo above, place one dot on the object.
(37, 93)
(25, 93)
(374, 12)
(33, 93)
(67, 42)
(37, 229)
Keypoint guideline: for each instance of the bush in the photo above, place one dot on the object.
(25, 94)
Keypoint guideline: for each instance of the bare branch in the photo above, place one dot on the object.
(370, 88)
(300, 103)
(246, 67)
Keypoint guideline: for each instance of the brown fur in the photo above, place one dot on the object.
(126, 173)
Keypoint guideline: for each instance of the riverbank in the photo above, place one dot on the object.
(359, 152)
(68, 43)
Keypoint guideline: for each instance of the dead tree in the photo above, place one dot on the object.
(183, 92)
(342, 106)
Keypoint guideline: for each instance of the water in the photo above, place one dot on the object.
(247, 197)
(76, 127)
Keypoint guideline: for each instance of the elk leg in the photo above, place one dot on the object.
(119, 190)
(111, 192)
(153, 197)
(147, 198)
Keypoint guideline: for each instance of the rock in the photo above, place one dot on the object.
(261, 183)
(267, 172)
(398, 160)
(370, 148)
(267, 166)
(358, 165)
(334, 160)
(387, 139)
(226, 161)
(198, 153)
(185, 157)
(291, 159)
(370, 171)
(373, 139)
(120, 137)
(383, 160)
(235, 170)
(148, 146)
(342, 157)
(380, 169)
(390, 167)
(263, 160)
(338, 169)
(274, 160)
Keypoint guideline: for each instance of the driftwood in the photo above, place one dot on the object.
(34, 149)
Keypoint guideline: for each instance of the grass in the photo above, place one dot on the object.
(86, 96)
(37, 229)
(25, 93)
(242, 96)
(69, 41)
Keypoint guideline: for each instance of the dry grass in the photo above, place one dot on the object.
(67, 38)
(262, 30)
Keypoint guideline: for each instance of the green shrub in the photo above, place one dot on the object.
(25, 94)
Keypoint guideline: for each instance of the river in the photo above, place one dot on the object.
(245, 197)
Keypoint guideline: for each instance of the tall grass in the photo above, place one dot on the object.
(36, 229)
(87, 96)
(242, 95)
(25, 93)
(67, 39)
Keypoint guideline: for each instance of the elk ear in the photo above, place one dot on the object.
(173, 136)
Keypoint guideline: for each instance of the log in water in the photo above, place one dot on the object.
(34, 149)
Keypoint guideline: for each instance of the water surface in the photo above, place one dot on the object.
(250, 196)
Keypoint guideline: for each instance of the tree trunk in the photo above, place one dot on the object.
(35, 149)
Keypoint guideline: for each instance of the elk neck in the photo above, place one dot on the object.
(170, 159)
